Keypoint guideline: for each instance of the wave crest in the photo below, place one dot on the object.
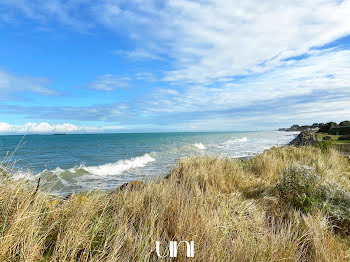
(200, 146)
(233, 141)
(120, 166)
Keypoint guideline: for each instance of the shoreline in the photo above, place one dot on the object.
(137, 183)
(74, 177)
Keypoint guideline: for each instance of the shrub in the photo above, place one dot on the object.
(324, 145)
(300, 188)
(303, 189)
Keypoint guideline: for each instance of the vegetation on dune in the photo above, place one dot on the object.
(287, 204)
(326, 141)
(304, 189)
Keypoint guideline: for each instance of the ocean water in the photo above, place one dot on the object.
(73, 163)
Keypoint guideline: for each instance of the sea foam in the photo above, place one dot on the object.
(200, 146)
(120, 166)
(109, 169)
(234, 141)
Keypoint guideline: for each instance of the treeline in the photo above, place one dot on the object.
(325, 128)
(319, 127)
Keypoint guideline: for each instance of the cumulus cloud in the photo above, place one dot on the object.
(10, 83)
(46, 128)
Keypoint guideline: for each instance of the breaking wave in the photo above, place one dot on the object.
(120, 166)
(233, 141)
(65, 177)
(199, 146)
(110, 169)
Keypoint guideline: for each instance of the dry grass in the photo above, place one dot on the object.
(231, 209)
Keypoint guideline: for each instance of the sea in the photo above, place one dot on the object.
(82, 162)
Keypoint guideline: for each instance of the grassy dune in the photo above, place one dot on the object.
(287, 204)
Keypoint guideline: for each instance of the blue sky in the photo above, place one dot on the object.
(140, 66)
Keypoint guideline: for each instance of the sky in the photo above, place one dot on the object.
(102, 66)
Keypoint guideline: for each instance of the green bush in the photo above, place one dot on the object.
(303, 189)
(300, 188)
(324, 128)
(324, 145)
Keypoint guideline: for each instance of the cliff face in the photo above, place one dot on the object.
(305, 138)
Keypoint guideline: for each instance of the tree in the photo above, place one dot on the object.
(345, 123)
(324, 128)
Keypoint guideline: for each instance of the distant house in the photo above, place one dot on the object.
(340, 130)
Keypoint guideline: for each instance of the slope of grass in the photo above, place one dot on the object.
(334, 138)
(287, 204)
(341, 145)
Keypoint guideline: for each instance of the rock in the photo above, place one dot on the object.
(326, 138)
(305, 138)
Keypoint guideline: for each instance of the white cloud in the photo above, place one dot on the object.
(46, 128)
(326, 72)
(65, 12)
(224, 38)
(324, 110)
(109, 82)
(139, 54)
(211, 40)
(284, 116)
(207, 40)
(146, 76)
(10, 83)
(212, 43)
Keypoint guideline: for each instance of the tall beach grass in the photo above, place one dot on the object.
(287, 204)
